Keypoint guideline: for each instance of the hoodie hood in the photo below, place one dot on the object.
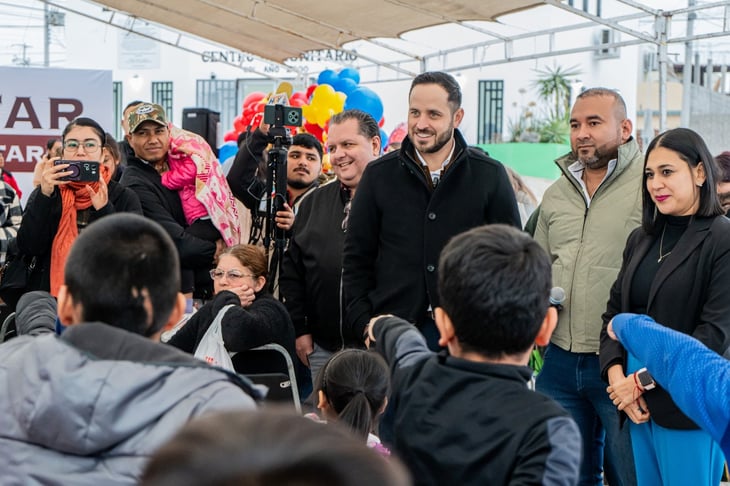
(65, 398)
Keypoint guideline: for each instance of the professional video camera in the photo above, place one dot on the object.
(278, 116)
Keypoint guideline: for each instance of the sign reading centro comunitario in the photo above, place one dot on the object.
(238, 57)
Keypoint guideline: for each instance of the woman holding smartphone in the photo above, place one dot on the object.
(60, 207)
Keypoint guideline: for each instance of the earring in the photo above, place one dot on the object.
(699, 184)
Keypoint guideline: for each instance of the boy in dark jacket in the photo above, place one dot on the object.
(467, 416)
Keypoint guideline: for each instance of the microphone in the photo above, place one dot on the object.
(557, 297)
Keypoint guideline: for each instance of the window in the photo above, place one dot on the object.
(218, 95)
(587, 6)
(162, 95)
(117, 109)
(491, 110)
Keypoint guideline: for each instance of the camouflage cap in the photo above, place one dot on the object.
(146, 112)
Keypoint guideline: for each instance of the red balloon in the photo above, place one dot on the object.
(231, 136)
(310, 90)
(381, 122)
(314, 129)
(254, 97)
(239, 123)
(298, 94)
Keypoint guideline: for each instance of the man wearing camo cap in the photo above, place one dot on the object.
(149, 137)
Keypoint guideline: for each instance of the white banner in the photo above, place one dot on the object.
(37, 104)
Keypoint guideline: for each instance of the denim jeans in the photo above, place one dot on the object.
(574, 381)
(317, 359)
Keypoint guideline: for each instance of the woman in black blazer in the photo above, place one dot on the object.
(676, 269)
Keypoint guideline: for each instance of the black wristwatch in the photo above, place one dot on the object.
(647, 382)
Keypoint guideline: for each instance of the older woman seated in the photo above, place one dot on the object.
(257, 318)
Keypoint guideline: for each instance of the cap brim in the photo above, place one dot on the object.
(161, 123)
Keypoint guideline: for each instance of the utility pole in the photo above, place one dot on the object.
(22, 60)
(684, 119)
(662, 30)
(46, 36)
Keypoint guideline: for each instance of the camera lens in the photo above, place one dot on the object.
(74, 169)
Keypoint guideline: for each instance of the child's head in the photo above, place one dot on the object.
(494, 285)
(352, 387)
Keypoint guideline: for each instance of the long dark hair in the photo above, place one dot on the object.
(690, 147)
(355, 383)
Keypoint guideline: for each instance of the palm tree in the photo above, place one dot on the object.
(553, 86)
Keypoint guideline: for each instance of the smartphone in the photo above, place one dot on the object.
(81, 170)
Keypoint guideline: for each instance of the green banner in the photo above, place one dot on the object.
(529, 159)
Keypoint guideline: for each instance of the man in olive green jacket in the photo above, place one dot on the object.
(585, 218)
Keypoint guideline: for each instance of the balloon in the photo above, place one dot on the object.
(315, 130)
(254, 97)
(297, 102)
(350, 73)
(309, 113)
(310, 90)
(299, 95)
(327, 76)
(228, 149)
(383, 139)
(323, 90)
(231, 136)
(381, 122)
(239, 124)
(345, 85)
(366, 100)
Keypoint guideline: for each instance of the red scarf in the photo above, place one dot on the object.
(74, 197)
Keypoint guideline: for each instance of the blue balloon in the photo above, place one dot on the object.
(383, 140)
(327, 76)
(350, 73)
(345, 85)
(366, 100)
(227, 150)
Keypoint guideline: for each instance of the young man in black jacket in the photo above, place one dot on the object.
(467, 417)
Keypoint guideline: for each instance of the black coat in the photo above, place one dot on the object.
(399, 223)
(244, 179)
(461, 422)
(163, 206)
(40, 223)
(263, 322)
(311, 270)
(689, 294)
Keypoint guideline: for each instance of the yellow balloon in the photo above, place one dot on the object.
(309, 113)
(323, 89)
(339, 104)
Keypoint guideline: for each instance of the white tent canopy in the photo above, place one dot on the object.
(396, 39)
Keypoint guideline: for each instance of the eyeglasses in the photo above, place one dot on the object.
(90, 146)
(230, 275)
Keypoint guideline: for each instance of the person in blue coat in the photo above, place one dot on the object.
(700, 387)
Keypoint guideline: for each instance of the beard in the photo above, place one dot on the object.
(299, 183)
(441, 140)
(601, 156)
(596, 161)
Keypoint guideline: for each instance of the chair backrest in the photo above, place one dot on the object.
(7, 330)
(272, 366)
